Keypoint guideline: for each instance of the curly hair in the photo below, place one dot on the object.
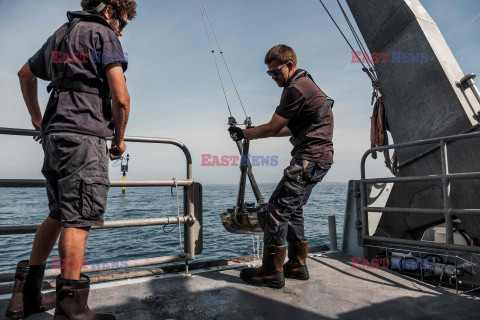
(282, 53)
(128, 7)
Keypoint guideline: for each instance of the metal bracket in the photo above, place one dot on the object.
(467, 82)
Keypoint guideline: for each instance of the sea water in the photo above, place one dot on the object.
(29, 206)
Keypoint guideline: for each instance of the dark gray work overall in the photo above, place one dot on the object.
(311, 128)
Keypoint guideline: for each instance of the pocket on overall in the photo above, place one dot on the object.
(291, 193)
(94, 196)
(293, 184)
(317, 173)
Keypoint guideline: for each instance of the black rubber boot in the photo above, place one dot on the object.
(72, 298)
(296, 267)
(271, 271)
(27, 297)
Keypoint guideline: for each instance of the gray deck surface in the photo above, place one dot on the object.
(334, 291)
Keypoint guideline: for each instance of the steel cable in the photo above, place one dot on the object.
(359, 43)
(372, 78)
(223, 56)
(214, 58)
(175, 184)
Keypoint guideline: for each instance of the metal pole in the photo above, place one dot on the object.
(244, 162)
(332, 230)
(186, 269)
(253, 182)
(446, 194)
(426, 244)
(467, 212)
(455, 137)
(363, 197)
(105, 265)
(26, 229)
(436, 177)
(189, 211)
(177, 143)
(188, 157)
(470, 291)
(475, 92)
(37, 183)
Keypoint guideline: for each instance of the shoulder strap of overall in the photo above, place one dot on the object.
(59, 68)
(328, 102)
(60, 81)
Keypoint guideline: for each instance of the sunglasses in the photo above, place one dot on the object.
(276, 72)
(122, 21)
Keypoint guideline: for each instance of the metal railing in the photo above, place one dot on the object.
(445, 177)
(192, 219)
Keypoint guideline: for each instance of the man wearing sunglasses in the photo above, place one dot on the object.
(89, 101)
(304, 114)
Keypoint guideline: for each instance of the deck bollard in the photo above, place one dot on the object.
(332, 231)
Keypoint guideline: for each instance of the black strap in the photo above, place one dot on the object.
(324, 108)
(72, 84)
(61, 66)
(328, 102)
(62, 82)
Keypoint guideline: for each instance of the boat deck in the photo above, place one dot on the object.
(334, 291)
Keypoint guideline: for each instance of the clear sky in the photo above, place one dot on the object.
(175, 90)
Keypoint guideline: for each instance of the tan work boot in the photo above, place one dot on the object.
(271, 271)
(72, 298)
(26, 297)
(296, 267)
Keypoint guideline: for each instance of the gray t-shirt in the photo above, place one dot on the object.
(89, 48)
(300, 100)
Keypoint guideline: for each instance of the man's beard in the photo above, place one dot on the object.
(114, 28)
